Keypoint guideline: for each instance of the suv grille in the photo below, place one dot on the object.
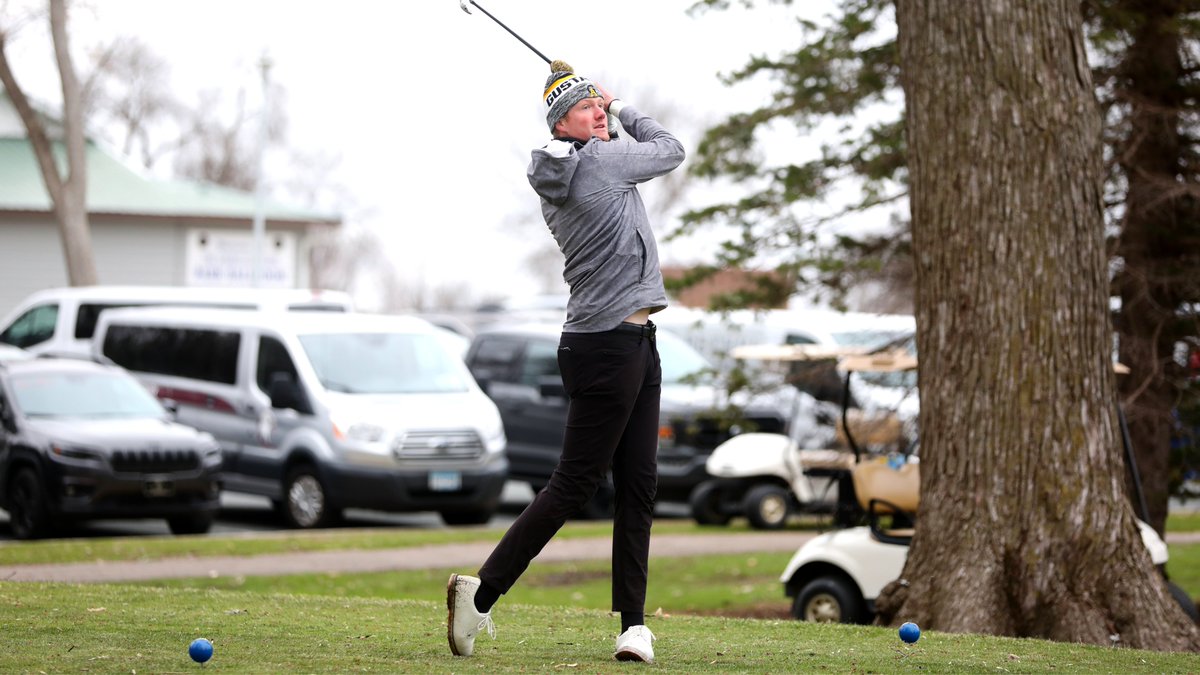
(438, 445)
(154, 461)
(706, 433)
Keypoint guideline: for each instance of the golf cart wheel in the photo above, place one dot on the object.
(197, 523)
(1181, 597)
(305, 499)
(706, 504)
(767, 507)
(828, 600)
(28, 516)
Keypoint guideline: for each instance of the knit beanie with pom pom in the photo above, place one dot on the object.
(563, 90)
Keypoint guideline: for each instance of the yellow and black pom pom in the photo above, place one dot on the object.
(560, 66)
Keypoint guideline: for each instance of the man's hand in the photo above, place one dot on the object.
(608, 98)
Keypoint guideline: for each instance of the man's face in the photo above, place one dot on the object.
(584, 120)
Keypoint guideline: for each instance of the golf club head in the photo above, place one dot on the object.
(465, 7)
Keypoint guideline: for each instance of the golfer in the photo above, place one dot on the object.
(607, 355)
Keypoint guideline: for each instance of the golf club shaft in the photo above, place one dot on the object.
(511, 31)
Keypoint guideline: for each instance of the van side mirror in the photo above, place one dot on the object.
(6, 417)
(286, 392)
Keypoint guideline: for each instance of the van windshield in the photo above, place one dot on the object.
(383, 363)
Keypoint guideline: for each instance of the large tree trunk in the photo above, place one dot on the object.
(1025, 526)
(68, 196)
(1157, 246)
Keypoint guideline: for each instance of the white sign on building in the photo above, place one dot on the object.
(224, 258)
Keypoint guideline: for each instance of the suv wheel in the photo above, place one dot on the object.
(305, 499)
(197, 523)
(828, 600)
(767, 507)
(28, 515)
(706, 505)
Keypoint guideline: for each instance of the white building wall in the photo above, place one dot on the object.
(31, 258)
(143, 253)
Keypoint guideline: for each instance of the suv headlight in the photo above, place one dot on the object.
(77, 453)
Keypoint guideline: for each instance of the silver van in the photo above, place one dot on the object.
(321, 412)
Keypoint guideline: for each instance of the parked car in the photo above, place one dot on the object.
(81, 440)
(323, 412)
(518, 368)
(61, 321)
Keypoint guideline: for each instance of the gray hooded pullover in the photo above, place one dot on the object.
(592, 207)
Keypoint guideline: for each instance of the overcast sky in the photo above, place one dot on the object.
(432, 112)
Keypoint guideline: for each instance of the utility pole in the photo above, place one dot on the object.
(260, 224)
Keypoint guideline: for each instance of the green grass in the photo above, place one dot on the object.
(1187, 521)
(153, 548)
(740, 585)
(1183, 566)
(124, 629)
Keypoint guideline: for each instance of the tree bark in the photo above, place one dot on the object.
(1025, 526)
(68, 196)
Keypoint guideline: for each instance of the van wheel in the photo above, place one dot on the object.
(828, 600)
(305, 499)
(197, 523)
(466, 517)
(767, 507)
(602, 505)
(706, 505)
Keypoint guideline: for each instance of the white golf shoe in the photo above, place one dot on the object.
(465, 622)
(635, 644)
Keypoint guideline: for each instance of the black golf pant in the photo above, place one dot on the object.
(613, 380)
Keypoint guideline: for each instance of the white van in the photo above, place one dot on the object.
(61, 321)
(321, 412)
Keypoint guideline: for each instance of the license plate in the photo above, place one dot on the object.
(445, 481)
(158, 487)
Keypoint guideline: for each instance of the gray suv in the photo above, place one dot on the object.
(81, 440)
(518, 368)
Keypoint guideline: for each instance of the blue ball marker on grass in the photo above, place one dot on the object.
(200, 650)
(910, 632)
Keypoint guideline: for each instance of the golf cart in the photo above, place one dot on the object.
(768, 477)
(837, 576)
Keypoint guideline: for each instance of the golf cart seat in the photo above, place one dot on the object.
(826, 462)
(886, 490)
(871, 429)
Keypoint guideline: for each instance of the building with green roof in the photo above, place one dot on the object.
(145, 231)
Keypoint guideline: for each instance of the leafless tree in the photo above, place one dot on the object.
(127, 95)
(68, 193)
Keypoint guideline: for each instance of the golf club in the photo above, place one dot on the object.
(465, 8)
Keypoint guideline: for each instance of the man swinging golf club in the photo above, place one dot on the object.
(607, 353)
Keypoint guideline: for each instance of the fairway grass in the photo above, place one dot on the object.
(129, 629)
(295, 541)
